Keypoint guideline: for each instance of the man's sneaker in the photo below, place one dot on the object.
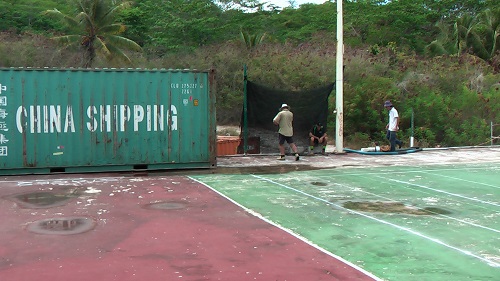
(282, 158)
(297, 157)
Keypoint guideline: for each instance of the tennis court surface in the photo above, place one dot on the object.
(431, 215)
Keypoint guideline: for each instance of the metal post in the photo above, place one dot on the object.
(339, 82)
(245, 117)
(491, 133)
(412, 128)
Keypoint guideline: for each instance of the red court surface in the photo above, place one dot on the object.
(145, 228)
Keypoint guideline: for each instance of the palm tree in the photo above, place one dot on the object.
(490, 26)
(464, 33)
(252, 40)
(455, 39)
(95, 31)
(478, 35)
(445, 44)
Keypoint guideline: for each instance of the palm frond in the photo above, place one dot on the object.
(84, 21)
(490, 23)
(69, 40)
(436, 48)
(252, 40)
(102, 48)
(477, 47)
(95, 30)
(123, 42)
(118, 54)
(117, 28)
(56, 14)
(112, 13)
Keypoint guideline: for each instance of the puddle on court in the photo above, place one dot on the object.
(44, 199)
(275, 169)
(166, 205)
(393, 207)
(318, 183)
(62, 226)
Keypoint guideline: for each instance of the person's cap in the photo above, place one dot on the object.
(284, 105)
(387, 103)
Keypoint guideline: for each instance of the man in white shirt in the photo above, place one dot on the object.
(393, 126)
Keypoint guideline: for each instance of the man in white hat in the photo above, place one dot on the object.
(284, 119)
(393, 126)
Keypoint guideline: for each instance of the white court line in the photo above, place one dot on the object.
(441, 215)
(378, 173)
(441, 191)
(454, 178)
(491, 263)
(290, 232)
(402, 172)
(415, 171)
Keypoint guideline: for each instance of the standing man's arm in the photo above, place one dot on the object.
(276, 119)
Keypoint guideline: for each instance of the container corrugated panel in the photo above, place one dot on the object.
(106, 119)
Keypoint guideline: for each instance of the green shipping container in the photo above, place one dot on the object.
(86, 120)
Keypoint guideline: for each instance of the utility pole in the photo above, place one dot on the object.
(339, 82)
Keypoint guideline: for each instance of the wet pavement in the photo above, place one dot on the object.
(129, 227)
(166, 226)
(428, 215)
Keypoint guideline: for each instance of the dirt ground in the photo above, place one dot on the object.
(268, 139)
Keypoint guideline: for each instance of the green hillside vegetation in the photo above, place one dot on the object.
(439, 60)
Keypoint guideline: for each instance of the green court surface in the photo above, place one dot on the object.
(438, 222)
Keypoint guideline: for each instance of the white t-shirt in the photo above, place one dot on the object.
(393, 122)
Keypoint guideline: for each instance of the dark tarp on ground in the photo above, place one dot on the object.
(308, 107)
(399, 151)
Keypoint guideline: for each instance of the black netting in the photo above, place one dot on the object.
(308, 107)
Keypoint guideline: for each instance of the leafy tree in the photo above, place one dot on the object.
(23, 15)
(239, 4)
(95, 31)
(137, 28)
(259, 23)
(180, 25)
(452, 9)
